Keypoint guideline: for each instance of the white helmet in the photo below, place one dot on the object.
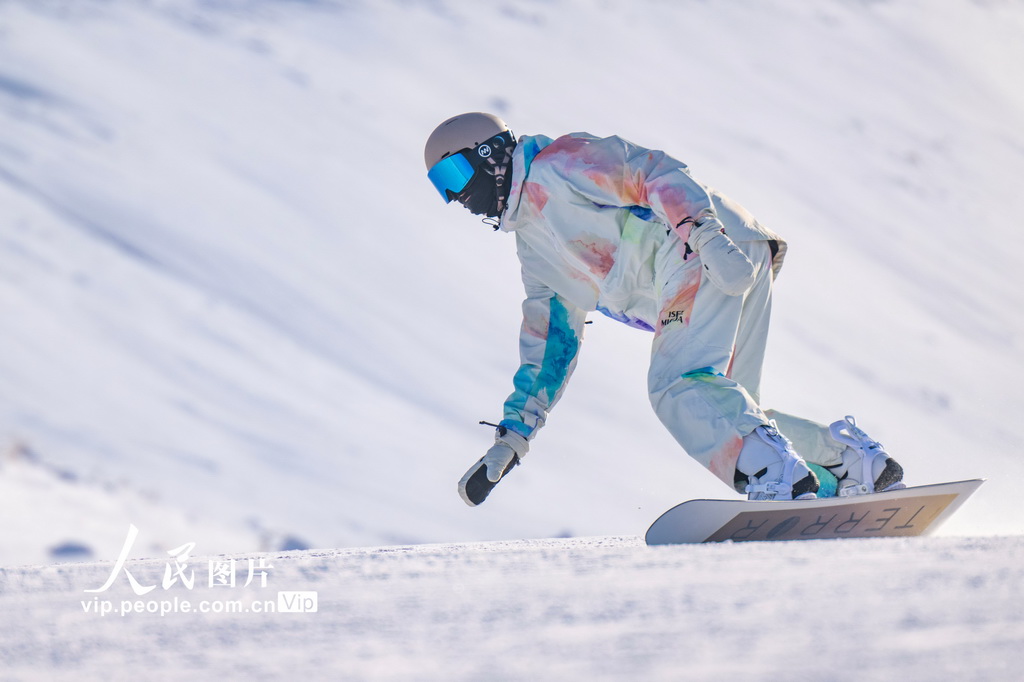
(459, 146)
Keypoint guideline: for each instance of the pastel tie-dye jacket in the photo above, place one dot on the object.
(590, 215)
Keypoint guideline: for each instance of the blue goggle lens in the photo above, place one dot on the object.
(451, 174)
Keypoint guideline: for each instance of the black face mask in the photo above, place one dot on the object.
(481, 195)
(487, 191)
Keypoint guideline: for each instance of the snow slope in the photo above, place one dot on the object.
(227, 286)
(574, 609)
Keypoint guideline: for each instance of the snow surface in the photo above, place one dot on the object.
(605, 608)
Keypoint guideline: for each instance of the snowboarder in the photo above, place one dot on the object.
(603, 224)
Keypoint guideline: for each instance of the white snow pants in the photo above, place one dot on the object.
(706, 361)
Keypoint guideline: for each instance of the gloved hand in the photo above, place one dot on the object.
(727, 266)
(508, 449)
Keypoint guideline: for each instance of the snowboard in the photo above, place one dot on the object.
(898, 513)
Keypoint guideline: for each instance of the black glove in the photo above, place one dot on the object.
(508, 449)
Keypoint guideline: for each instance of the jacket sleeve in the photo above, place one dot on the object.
(611, 171)
(549, 343)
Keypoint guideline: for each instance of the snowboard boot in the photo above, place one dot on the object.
(866, 466)
(769, 469)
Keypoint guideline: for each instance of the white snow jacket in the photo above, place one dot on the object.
(589, 215)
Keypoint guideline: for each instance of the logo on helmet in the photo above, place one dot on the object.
(484, 150)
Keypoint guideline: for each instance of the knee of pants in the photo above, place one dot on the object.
(672, 363)
(703, 401)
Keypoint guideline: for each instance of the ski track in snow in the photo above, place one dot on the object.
(606, 608)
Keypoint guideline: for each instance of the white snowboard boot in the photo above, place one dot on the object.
(866, 467)
(769, 469)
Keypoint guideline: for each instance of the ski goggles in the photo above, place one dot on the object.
(451, 174)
